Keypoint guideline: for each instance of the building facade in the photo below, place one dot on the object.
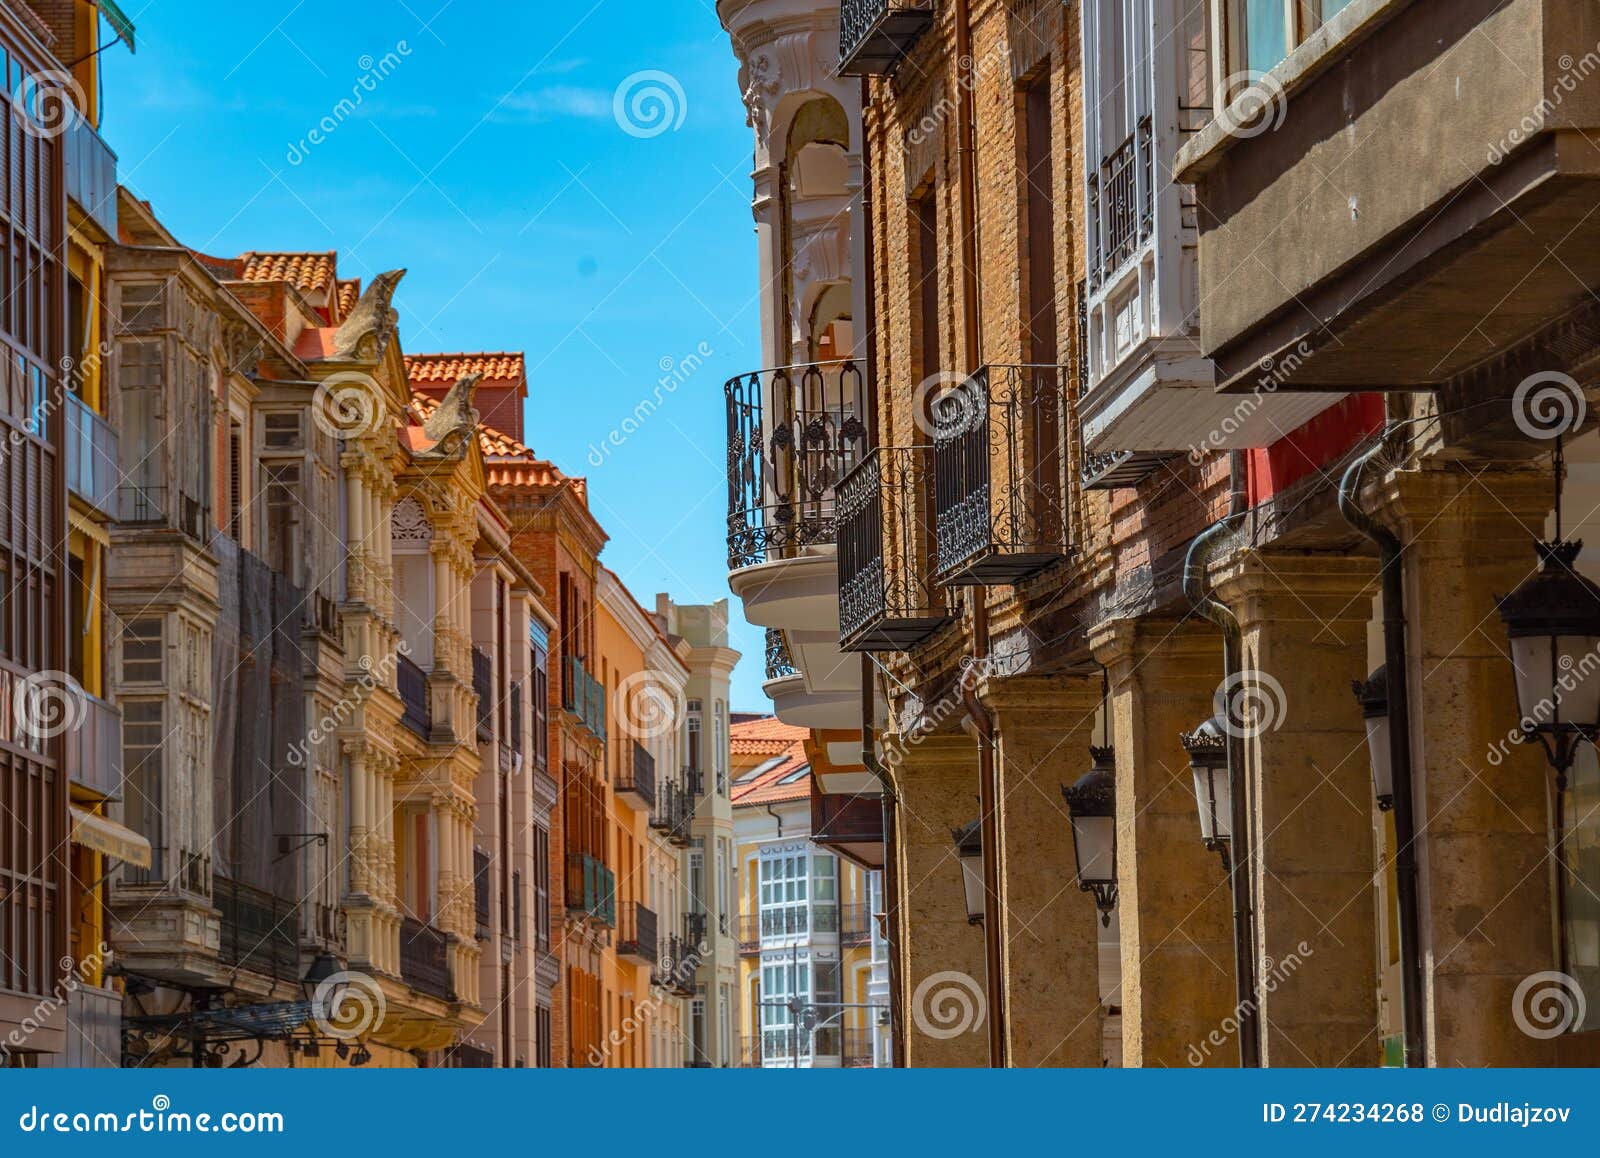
(811, 953)
(1162, 441)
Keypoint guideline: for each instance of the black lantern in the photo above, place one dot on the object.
(1092, 802)
(1373, 696)
(1207, 748)
(969, 849)
(325, 967)
(1553, 621)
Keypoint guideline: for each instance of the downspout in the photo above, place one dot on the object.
(1392, 578)
(982, 721)
(891, 871)
(776, 819)
(869, 742)
(1194, 586)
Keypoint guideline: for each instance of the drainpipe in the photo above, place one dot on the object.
(982, 721)
(1392, 577)
(1244, 957)
(891, 870)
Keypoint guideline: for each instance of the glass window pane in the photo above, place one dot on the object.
(1263, 33)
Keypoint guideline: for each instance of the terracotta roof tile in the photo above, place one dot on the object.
(448, 368)
(771, 737)
(507, 462)
(304, 271)
(349, 295)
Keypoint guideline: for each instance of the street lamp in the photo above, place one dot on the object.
(969, 849)
(1553, 621)
(1373, 696)
(1207, 748)
(1092, 801)
(325, 967)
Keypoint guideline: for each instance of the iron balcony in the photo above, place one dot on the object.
(636, 783)
(875, 35)
(636, 933)
(1002, 504)
(887, 601)
(793, 433)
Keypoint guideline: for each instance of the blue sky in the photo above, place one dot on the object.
(485, 155)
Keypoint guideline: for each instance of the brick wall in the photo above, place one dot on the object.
(911, 130)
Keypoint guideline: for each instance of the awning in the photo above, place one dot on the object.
(105, 835)
(120, 24)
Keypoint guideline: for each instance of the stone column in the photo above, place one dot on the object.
(1304, 619)
(1043, 729)
(1174, 908)
(946, 1015)
(1482, 802)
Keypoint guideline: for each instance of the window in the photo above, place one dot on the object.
(280, 485)
(235, 475)
(1039, 202)
(784, 898)
(1263, 32)
(142, 730)
(541, 1045)
(281, 432)
(142, 428)
(925, 241)
(697, 880)
(694, 713)
(541, 889)
(143, 307)
(782, 981)
(141, 652)
(719, 756)
(697, 1023)
(541, 704)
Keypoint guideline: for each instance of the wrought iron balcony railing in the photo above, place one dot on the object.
(636, 933)
(636, 783)
(750, 934)
(1121, 204)
(483, 685)
(856, 1048)
(1001, 496)
(887, 601)
(793, 433)
(425, 959)
(875, 34)
(780, 665)
(412, 684)
(259, 929)
(855, 924)
(481, 867)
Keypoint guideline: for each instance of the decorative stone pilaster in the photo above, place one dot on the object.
(946, 1010)
(1304, 618)
(1483, 803)
(1174, 909)
(1054, 1013)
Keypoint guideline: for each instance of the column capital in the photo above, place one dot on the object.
(1266, 587)
(1130, 639)
(1456, 492)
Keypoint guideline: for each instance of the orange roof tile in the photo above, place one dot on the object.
(769, 736)
(349, 295)
(448, 368)
(507, 462)
(304, 271)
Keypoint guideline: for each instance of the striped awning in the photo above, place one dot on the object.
(104, 835)
(118, 19)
